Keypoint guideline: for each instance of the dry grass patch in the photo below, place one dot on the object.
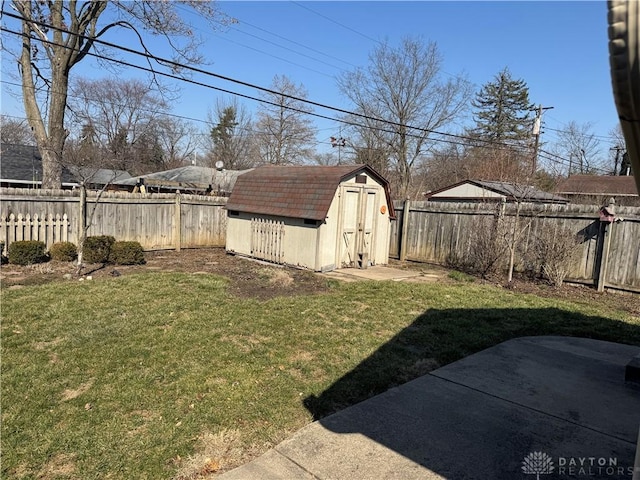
(49, 344)
(40, 268)
(70, 394)
(61, 465)
(278, 277)
(215, 452)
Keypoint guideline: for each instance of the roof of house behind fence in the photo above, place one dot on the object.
(510, 191)
(596, 185)
(190, 177)
(22, 164)
(294, 191)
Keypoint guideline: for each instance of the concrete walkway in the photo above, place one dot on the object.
(533, 407)
(383, 272)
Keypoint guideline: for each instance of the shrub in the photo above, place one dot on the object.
(63, 252)
(27, 252)
(97, 248)
(3, 259)
(481, 253)
(555, 252)
(127, 253)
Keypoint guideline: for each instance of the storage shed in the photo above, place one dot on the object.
(315, 217)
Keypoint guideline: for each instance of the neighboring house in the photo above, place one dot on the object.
(314, 217)
(598, 189)
(189, 179)
(97, 178)
(484, 191)
(21, 167)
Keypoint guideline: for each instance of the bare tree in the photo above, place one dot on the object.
(578, 143)
(231, 138)
(16, 132)
(59, 34)
(284, 132)
(371, 148)
(326, 159)
(400, 89)
(178, 140)
(445, 166)
(123, 114)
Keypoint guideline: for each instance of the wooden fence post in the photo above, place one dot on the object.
(177, 222)
(603, 264)
(404, 232)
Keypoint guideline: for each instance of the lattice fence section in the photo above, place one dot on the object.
(267, 238)
(45, 228)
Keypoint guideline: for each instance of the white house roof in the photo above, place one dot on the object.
(476, 190)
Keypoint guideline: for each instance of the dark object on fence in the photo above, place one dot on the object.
(27, 252)
(127, 253)
(98, 248)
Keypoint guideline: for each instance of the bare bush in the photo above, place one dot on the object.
(483, 251)
(555, 251)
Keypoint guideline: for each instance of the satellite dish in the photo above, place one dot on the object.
(219, 165)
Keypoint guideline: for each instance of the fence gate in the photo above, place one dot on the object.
(267, 239)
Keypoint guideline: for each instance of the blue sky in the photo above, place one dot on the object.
(558, 48)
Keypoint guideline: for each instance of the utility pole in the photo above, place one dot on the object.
(537, 123)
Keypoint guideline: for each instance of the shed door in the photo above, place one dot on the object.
(349, 230)
(368, 215)
(358, 230)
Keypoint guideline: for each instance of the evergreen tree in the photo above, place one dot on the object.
(231, 138)
(503, 110)
(223, 134)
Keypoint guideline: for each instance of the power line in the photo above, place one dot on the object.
(177, 65)
(279, 58)
(243, 22)
(280, 94)
(337, 23)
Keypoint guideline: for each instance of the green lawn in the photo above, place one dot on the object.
(167, 375)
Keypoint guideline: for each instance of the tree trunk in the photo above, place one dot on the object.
(82, 225)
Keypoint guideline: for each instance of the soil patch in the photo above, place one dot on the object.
(247, 278)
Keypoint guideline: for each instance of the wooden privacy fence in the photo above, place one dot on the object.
(608, 255)
(158, 221)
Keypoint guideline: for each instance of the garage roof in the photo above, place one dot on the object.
(295, 191)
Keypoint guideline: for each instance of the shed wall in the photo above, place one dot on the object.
(295, 244)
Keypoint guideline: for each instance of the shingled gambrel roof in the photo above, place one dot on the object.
(295, 191)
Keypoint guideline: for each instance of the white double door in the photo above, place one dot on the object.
(357, 229)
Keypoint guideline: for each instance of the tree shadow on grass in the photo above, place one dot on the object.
(440, 406)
